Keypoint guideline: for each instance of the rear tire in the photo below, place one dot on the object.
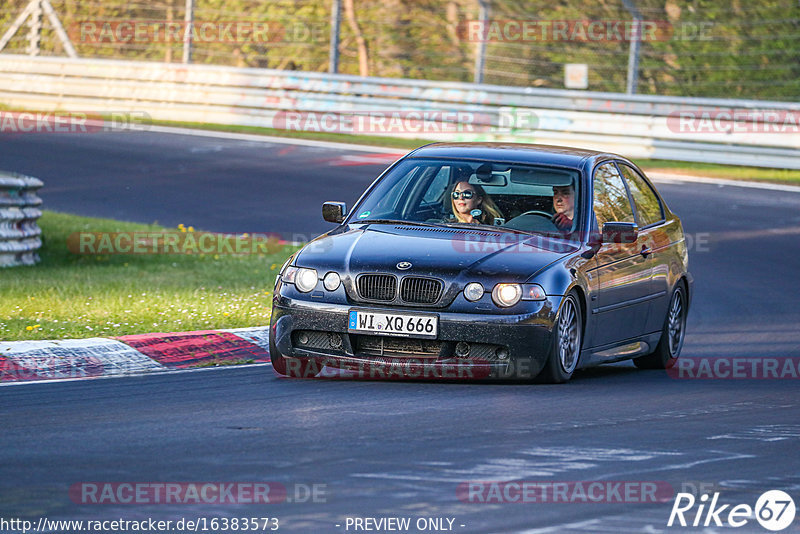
(565, 350)
(669, 346)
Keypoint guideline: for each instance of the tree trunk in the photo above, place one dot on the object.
(363, 51)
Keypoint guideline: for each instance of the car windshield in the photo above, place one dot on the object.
(513, 196)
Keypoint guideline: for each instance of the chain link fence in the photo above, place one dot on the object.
(711, 48)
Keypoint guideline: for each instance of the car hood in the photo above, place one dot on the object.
(437, 251)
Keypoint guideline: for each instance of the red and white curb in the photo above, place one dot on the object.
(25, 361)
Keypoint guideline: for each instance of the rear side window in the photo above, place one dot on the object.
(611, 202)
(648, 207)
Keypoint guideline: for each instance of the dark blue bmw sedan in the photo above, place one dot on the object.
(487, 261)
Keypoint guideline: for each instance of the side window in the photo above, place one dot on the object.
(438, 186)
(648, 208)
(611, 202)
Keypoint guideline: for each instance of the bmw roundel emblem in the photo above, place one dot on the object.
(404, 265)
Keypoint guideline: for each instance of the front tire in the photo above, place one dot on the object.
(565, 351)
(669, 346)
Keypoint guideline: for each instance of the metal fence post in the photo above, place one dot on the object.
(19, 233)
(187, 34)
(480, 57)
(633, 53)
(336, 18)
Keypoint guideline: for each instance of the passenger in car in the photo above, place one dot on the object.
(564, 206)
(471, 204)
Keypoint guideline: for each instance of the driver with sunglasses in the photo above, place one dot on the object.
(470, 204)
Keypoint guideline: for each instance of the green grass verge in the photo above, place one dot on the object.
(77, 296)
(708, 170)
(729, 172)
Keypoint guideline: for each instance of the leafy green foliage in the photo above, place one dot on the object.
(712, 48)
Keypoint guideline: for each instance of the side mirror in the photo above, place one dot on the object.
(620, 232)
(334, 211)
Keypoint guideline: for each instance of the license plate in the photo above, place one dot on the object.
(393, 324)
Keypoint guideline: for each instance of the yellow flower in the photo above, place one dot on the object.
(37, 326)
(28, 328)
(191, 228)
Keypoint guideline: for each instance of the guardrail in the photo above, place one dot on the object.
(20, 235)
(637, 126)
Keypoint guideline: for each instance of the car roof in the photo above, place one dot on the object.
(513, 153)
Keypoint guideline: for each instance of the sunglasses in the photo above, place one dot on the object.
(465, 194)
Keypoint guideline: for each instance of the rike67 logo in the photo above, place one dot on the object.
(774, 510)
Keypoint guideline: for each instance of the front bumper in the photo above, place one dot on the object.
(314, 337)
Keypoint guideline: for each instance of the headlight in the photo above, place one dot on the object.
(505, 295)
(331, 281)
(473, 291)
(304, 279)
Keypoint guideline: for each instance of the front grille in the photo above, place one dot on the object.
(381, 287)
(397, 347)
(420, 290)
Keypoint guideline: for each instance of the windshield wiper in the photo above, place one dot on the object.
(396, 221)
(460, 225)
(484, 227)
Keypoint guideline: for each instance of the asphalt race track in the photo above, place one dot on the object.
(392, 449)
(214, 184)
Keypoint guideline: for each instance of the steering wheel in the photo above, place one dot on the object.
(536, 212)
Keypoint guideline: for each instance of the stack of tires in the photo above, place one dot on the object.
(20, 235)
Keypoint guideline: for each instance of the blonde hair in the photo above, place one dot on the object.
(489, 209)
